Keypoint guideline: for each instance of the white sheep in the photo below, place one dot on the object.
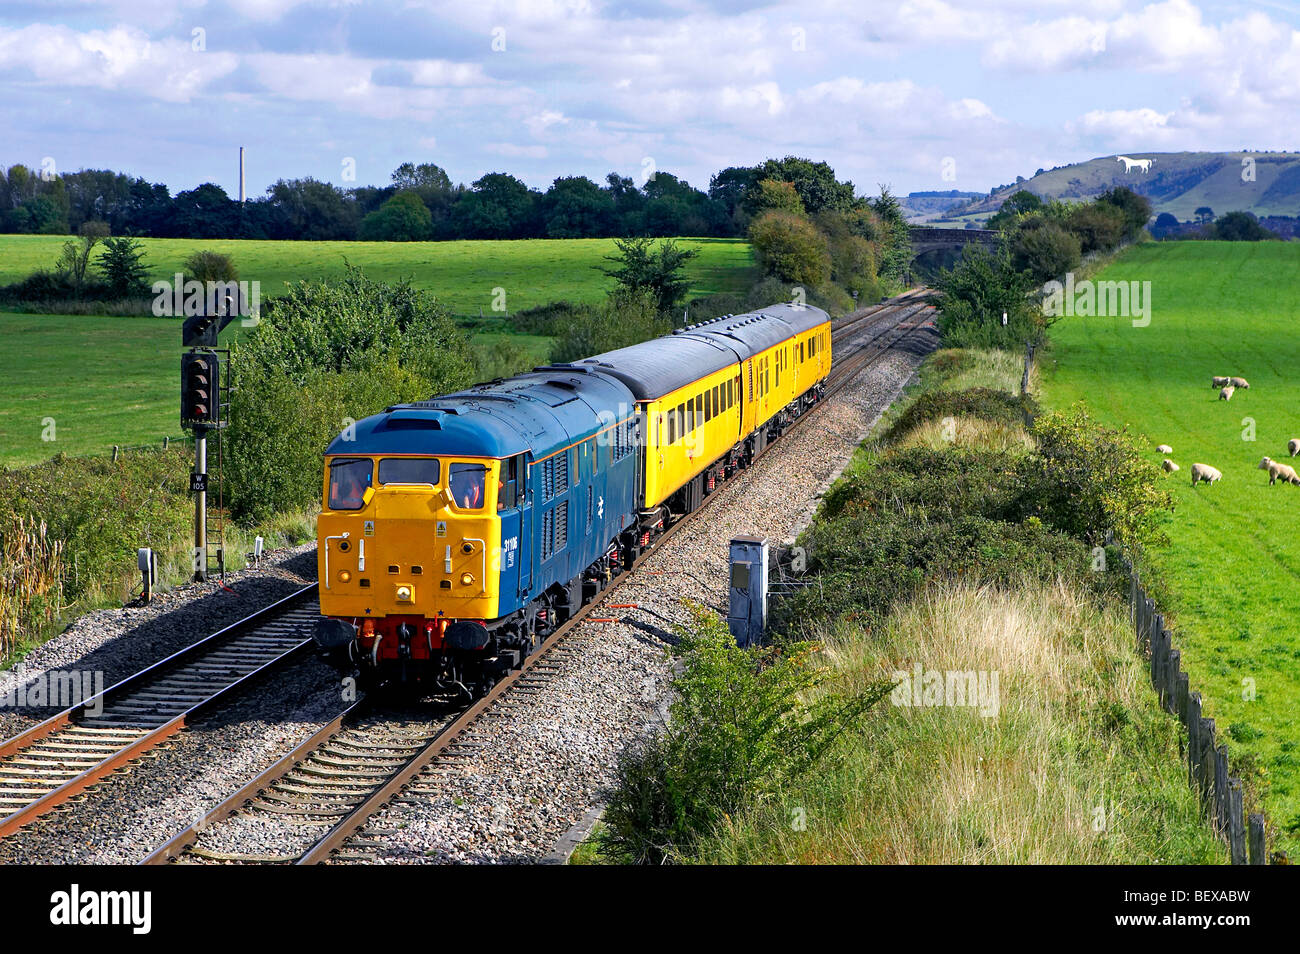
(1226, 393)
(1217, 382)
(1293, 445)
(1169, 466)
(1240, 383)
(1276, 470)
(1206, 473)
(1164, 449)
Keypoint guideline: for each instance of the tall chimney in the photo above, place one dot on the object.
(241, 173)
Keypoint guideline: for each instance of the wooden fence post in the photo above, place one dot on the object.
(1236, 828)
(1207, 766)
(1221, 788)
(1172, 659)
(1193, 738)
(1256, 839)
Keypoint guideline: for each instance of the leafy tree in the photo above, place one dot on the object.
(575, 207)
(1017, 204)
(1204, 214)
(1135, 208)
(975, 294)
(74, 259)
(423, 176)
(768, 195)
(791, 248)
(656, 270)
(1099, 225)
(1044, 248)
(314, 210)
(204, 212)
(1241, 227)
(1164, 224)
(124, 272)
(896, 240)
(814, 181)
(498, 206)
(403, 218)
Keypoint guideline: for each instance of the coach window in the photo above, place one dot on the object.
(349, 480)
(468, 483)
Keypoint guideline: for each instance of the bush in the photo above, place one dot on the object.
(1086, 479)
(209, 266)
(791, 248)
(743, 724)
(326, 351)
(1045, 249)
(974, 295)
(1100, 226)
(626, 318)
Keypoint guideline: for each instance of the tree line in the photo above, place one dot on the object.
(419, 203)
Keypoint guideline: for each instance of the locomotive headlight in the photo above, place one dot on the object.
(344, 576)
(467, 579)
(405, 594)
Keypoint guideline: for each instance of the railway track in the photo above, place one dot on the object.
(333, 783)
(61, 757)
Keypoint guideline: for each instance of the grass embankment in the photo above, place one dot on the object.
(99, 511)
(1231, 570)
(463, 274)
(942, 547)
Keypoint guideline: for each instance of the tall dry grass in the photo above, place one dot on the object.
(1077, 767)
(31, 580)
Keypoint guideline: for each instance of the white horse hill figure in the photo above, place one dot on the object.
(1143, 164)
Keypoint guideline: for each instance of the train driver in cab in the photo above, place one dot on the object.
(468, 485)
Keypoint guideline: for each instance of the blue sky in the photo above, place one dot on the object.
(918, 94)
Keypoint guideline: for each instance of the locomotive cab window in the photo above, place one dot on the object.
(468, 483)
(409, 470)
(511, 483)
(349, 481)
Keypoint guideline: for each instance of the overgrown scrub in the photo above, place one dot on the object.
(326, 353)
(744, 724)
(1073, 763)
(989, 404)
(626, 318)
(94, 512)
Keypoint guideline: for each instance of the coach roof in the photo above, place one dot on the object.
(662, 365)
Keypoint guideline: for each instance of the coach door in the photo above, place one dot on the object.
(518, 468)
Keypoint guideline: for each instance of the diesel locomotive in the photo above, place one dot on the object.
(456, 533)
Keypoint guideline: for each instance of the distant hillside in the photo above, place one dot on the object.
(1178, 183)
(924, 206)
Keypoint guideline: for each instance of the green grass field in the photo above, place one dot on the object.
(1233, 565)
(113, 380)
(461, 274)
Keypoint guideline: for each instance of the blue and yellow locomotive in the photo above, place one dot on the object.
(458, 532)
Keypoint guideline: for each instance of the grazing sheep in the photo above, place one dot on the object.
(1293, 445)
(1276, 470)
(1240, 383)
(1226, 393)
(1169, 466)
(1206, 473)
(1219, 382)
(1164, 449)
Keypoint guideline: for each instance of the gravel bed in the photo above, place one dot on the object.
(535, 770)
(124, 817)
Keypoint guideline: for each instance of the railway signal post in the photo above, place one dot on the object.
(201, 412)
